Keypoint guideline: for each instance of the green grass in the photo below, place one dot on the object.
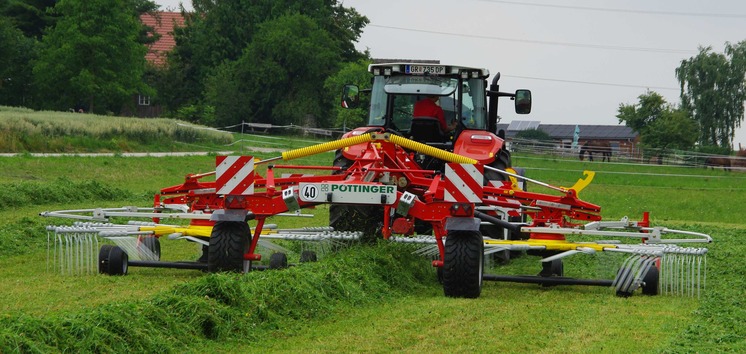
(376, 299)
(25, 130)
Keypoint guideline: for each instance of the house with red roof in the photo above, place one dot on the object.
(163, 23)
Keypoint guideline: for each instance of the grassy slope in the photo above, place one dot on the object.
(507, 317)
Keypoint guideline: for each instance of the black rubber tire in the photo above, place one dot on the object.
(348, 217)
(308, 256)
(118, 261)
(463, 264)
(103, 259)
(502, 161)
(278, 260)
(228, 243)
(152, 244)
(622, 293)
(650, 281)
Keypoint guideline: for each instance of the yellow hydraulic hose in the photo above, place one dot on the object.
(429, 150)
(332, 145)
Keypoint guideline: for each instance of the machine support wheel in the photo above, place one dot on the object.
(228, 243)
(308, 256)
(650, 281)
(149, 248)
(463, 264)
(278, 260)
(103, 259)
(118, 261)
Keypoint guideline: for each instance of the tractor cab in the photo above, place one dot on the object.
(462, 93)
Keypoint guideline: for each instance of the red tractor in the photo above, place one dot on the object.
(462, 94)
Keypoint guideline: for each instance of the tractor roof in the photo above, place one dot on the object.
(427, 69)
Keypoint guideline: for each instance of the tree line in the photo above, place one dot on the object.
(713, 92)
(234, 61)
(281, 62)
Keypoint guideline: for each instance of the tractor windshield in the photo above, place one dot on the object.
(394, 98)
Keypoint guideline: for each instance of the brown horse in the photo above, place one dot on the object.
(718, 161)
(596, 146)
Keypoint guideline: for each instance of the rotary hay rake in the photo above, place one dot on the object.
(471, 219)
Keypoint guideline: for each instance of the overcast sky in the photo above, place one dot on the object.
(580, 58)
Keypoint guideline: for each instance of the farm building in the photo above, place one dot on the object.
(163, 23)
(623, 139)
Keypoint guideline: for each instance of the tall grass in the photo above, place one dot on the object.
(23, 130)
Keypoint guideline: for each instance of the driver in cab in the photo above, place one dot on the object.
(428, 107)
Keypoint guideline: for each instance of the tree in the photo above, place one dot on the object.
(15, 68)
(355, 73)
(279, 77)
(533, 134)
(713, 91)
(219, 31)
(92, 58)
(672, 130)
(660, 125)
(30, 16)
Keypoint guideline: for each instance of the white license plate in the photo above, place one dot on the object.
(422, 69)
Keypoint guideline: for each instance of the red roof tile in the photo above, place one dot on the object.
(163, 23)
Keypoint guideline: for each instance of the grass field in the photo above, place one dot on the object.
(365, 299)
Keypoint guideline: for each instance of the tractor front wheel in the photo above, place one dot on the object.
(463, 264)
(348, 217)
(228, 243)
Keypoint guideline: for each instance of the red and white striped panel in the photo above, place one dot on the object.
(463, 183)
(234, 175)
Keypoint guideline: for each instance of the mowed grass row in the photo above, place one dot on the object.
(526, 318)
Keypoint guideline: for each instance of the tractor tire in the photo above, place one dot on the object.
(348, 217)
(103, 259)
(502, 161)
(118, 261)
(228, 243)
(278, 260)
(308, 256)
(650, 281)
(463, 264)
(149, 248)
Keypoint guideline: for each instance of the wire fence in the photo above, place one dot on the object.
(638, 155)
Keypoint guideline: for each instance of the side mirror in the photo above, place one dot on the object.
(522, 101)
(350, 96)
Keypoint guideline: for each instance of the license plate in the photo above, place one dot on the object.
(422, 69)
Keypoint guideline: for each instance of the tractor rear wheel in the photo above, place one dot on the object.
(228, 243)
(463, 264)
(365, 218)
